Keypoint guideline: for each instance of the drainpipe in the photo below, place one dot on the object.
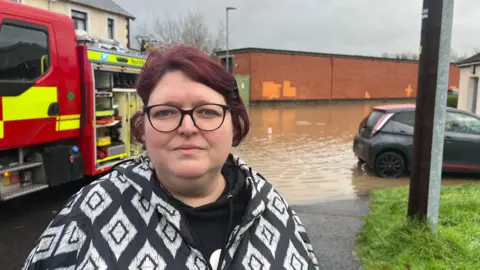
(50, 4)
(128, 34)
(250, 79)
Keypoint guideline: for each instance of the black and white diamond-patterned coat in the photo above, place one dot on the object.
(121, 222)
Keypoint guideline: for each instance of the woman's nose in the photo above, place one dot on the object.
(188, 125)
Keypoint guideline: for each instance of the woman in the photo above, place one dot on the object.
(188, 203)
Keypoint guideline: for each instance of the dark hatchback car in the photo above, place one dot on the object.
(384, 140)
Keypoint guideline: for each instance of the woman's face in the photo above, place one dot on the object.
(186, 152)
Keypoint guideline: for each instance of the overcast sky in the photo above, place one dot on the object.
(365, 27)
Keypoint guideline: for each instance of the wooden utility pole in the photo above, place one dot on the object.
(433, 75)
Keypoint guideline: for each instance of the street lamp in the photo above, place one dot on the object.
(226, 55)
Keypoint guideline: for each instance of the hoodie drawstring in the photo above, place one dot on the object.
(229, 229)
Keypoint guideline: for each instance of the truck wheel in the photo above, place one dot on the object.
(390, 165)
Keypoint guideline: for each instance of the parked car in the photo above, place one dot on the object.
(384, 140)
(454, 92)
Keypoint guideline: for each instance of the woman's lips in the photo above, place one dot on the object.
(188, 149)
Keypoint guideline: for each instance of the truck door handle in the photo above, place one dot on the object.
(54, 109)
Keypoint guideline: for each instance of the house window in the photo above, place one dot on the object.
(79, 20)
(111, 28)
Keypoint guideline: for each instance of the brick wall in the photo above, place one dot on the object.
(310, 77)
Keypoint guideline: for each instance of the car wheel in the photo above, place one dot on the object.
(389, 165)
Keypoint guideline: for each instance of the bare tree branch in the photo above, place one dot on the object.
(454, 56)
(219, 42)
(191, 29)
(142, 34)
(168, 30)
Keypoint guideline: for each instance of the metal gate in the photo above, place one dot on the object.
(243, 82)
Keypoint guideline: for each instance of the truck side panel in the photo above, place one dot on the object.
(40, 92)
(28, 87)
(87, 140)
(69, 83)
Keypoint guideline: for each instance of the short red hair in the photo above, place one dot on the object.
(200, 68)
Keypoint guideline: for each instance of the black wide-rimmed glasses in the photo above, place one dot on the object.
(166, 118)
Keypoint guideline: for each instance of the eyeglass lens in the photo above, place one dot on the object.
(167, 118)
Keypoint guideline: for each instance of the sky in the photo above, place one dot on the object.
(359, 27)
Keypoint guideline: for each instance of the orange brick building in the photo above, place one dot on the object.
(276, 75)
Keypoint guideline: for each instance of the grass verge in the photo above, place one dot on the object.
(390, 241)
(452, 101)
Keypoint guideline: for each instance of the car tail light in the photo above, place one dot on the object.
(381, 122)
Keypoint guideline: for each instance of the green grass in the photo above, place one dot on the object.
(452, 101)
(390, 241)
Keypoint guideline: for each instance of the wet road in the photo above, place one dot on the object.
(22, 221)
(308, 157)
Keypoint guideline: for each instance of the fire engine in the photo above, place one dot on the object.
(65, 101)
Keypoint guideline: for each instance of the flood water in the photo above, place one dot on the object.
(308, 156)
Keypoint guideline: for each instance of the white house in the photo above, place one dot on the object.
(469, 96)
(100, 18)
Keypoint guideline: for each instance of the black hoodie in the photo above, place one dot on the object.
(126, 220)
(211, 224)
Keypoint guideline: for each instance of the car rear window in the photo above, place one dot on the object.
(407, 118)
(373, 118)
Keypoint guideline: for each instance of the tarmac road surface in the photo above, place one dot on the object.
(332, 226)
(23, 220)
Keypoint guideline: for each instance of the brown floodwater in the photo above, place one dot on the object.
(308, 155)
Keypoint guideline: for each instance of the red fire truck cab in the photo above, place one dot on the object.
(65, 103)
